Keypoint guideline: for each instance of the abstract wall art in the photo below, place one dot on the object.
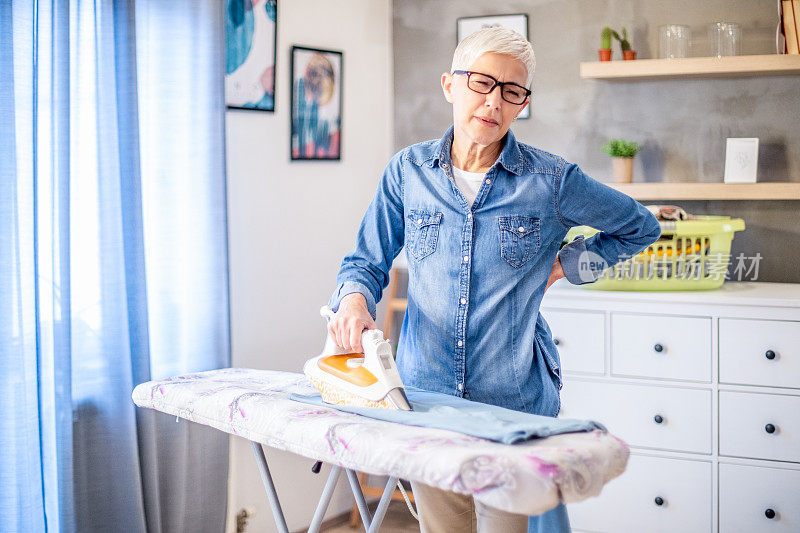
(250, 42)
(316, 104)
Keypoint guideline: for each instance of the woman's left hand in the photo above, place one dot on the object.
(556, 273)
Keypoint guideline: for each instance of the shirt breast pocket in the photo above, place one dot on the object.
(423, 233)
(519, 239)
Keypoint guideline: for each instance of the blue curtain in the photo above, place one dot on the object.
(113, 261)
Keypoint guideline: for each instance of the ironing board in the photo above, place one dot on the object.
(527, 478)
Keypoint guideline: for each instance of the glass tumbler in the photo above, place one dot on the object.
(725, 39)
(674, 41)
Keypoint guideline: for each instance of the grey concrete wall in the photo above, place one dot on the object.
(680, 124)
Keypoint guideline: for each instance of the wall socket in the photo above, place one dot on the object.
(242, 516)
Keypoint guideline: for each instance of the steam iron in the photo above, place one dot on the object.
(364, 380)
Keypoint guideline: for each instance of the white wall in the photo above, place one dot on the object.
(291, 223)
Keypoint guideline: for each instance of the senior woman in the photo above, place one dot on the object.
(482, 217)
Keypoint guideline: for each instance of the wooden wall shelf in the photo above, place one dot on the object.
(693, 67)
(710, 191)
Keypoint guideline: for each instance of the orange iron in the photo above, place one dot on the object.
(368, 379)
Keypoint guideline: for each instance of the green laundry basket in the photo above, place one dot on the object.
(690, 255)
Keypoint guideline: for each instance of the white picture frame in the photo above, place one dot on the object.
(741, 160)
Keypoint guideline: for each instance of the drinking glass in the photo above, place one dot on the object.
(674, 41)
(725, 39)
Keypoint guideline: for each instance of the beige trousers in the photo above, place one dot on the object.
(443, 511)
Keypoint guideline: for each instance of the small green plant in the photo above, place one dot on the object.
(605, 38)
(621, 148)
(624, 44)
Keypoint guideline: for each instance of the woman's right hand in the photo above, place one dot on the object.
(350, 321)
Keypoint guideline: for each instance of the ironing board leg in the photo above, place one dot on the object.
(359, 496)
(371, 524)
(277, 512)
(325, 499)
(383, 505)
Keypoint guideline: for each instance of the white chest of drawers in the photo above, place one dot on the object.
(705, 388)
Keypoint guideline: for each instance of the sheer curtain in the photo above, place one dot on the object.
(113, 261)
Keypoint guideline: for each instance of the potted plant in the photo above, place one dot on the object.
(622, 153)
(605, 44)
(625, 45)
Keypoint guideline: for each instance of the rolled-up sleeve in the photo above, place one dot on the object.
(379, 239)
(625, 226)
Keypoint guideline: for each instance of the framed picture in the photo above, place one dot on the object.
(518, 23)
(250, 43)
(741, 160)
(316, 104)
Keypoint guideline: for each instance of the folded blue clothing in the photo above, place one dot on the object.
(443, 411)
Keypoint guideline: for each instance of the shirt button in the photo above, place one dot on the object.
(466, 258)
(469, 215)
(488, 181)
(460, 343)
(419, 221)
(521, 229)
(463, 300)
(460, 386)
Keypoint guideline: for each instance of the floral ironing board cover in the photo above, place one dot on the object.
(526, 478)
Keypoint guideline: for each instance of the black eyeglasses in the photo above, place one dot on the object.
(484, 84)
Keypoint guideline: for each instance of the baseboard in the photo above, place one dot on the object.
(340, 519)
(335, 521)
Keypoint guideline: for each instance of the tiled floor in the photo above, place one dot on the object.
(398, 520)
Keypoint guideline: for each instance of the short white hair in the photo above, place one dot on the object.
(495, 39)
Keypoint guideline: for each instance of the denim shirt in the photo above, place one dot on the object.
(477, 274)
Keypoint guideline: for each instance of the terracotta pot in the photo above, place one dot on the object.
(623, 169)
(605, 54)
(629, 55)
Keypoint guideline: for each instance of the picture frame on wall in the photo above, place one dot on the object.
(517, 22)
(250, 54)
(316, 118)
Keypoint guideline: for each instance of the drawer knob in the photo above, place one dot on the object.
(769, 513)
(659, 501)
(658, 348)
(769, 428)
(659, 419)
(770, 355)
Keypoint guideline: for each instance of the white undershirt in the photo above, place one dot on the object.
(469, 183)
